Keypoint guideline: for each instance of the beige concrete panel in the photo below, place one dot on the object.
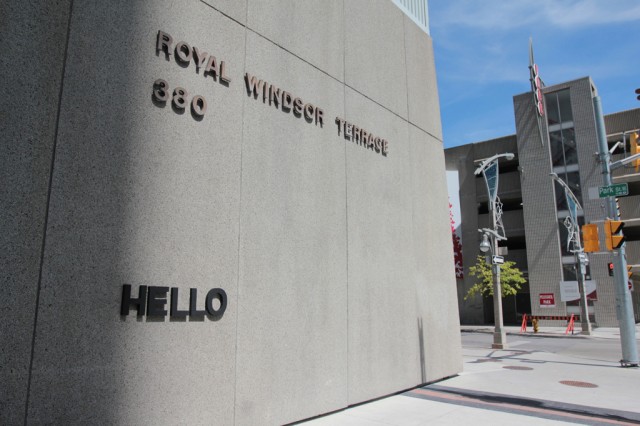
(379, 73)
(311, 30)
(436, 290)
(539, 210)
(28, 111)
(383, 322)
(235, 9)
(292, 318)
(422, 86)
(142, 195)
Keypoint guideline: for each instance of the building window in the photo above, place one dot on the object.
(563, 147)
(564, 104)
(553, 112)
(558, 107)
(569, 272)
(564, 161)
(572, 179)
(568, 257)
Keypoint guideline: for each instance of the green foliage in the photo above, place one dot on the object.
(511, 279)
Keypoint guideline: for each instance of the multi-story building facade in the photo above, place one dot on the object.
(563, 141)
(271, 258)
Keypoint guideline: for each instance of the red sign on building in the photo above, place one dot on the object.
(547, 300)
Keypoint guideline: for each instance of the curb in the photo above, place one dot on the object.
(529, 334)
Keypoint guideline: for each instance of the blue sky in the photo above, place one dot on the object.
(482, 57)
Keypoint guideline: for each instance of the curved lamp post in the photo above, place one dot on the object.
(490, 238)
(575, 246)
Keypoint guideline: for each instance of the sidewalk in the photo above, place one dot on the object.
(522, 385)
(599, 332)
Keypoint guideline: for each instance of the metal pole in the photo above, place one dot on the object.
(499, 335)
(580, 256)
(584, 308)
(624, 309)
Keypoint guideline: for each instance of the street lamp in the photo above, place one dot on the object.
(575, 246)
(490, 238)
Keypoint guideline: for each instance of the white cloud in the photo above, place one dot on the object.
(556, 73)
(591, 12)
(481, 49)
(502, 15)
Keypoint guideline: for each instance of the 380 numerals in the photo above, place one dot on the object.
(179, 98)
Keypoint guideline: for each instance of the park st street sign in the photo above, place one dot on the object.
(616, 190)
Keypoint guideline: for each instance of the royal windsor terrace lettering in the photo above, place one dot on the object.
(282, 99)
(257, 88)
(184, 54)
(362, 137)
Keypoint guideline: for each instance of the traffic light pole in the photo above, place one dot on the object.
(624, 309)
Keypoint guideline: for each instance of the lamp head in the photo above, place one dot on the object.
(484, 244)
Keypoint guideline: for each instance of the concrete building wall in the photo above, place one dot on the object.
(462, 159)
(31, 85)
(473, 194)
(339, 288)
(626, 121)
(539, 252)
(541, 225)
(581, 96)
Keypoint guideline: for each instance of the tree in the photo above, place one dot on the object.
(511, 279)
(457, 246)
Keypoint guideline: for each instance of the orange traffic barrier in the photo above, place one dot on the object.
(552, 317)
(536, 318)
(570, 326)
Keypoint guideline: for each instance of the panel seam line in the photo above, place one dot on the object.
(247, 28)
(244, 103)
(46, 215)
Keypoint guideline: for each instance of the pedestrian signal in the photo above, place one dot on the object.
(590, 239)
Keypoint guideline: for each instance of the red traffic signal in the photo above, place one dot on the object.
(610, 265)
(638, 93)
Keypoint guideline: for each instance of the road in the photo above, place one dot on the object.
(580, 349)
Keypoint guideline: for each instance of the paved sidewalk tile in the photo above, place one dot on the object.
(534, 382)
